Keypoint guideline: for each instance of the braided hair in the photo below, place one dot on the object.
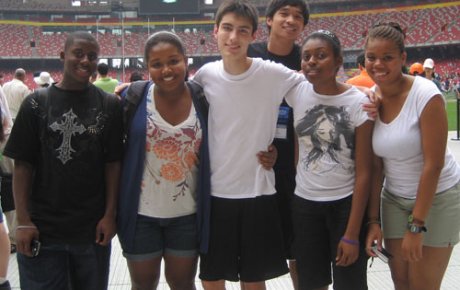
(388, 31)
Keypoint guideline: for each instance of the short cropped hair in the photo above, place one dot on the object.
(241, 8)
(79, 35)
(102, 68)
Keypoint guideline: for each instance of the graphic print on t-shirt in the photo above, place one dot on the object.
(67, 127)
(176, 155)
(326, 130)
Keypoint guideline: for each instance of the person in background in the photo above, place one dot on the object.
(43, 80)
(6, 171)
(66, 176)
(16, 91)
(5, 127)
(428, 72)
(363, 79)
(285, 20)
(333, 178)
(416, 69)
(457, 89)
(4, 254)
(415, 196)
(103, 81)
(136, 76)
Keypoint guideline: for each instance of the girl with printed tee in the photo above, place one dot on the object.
(165, 187)
(165, 141)
(419, 199)
(333, 170)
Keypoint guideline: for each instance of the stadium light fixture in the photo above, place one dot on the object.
(169, 1)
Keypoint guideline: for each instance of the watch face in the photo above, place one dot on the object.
(414, 229)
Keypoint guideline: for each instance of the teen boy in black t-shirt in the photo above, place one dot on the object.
(67, 146)
(286, 20)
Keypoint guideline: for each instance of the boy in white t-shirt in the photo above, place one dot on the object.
(244, 95)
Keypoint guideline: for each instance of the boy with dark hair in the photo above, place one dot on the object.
(66, 176)
(103, 81)
(286, 20)
(244, 95)
(363, 79)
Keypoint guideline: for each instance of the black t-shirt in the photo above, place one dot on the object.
(285, 143)
(68, 137)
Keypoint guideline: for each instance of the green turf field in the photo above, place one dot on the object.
(452, 111)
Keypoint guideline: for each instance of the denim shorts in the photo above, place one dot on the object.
(66, 266)
(442, 223)
(155, 237)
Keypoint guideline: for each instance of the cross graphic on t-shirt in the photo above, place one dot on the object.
(68, 128)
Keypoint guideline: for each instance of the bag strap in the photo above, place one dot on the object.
(133, 97)
(199, 98)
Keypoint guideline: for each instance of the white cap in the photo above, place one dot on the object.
(43, 78)
(428, 63)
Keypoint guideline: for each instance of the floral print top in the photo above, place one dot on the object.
(171, 165)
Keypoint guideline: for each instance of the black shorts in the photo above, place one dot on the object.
(246, 242)
(318, 227)
(285, 186)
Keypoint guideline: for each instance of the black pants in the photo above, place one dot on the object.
(6, 191)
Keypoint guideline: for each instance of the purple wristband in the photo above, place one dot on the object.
(351, 242)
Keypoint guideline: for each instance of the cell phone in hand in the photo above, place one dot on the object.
(383, 254)
(35, 247)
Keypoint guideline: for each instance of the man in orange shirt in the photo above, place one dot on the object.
(363, 79)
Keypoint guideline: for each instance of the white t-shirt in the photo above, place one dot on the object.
(168, 187)
(325, 127)
(399, 145)
(243, 110)
(6, 164)
(6, 115)
(16, 91)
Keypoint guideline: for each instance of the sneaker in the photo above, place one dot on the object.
(12, 250)
(5, 286)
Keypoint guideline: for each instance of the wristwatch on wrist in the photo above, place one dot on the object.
(415, 229)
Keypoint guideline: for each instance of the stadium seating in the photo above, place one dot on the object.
(424, 27)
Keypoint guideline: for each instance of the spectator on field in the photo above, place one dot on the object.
(6, 171)
(416, 69)
(428, 72)
(16, 91)
(363, 79)
(5, 127)
(136, 76)
(103, 81)
(43, 80)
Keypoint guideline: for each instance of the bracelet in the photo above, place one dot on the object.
(25, 227)
(351, 242)
(373, 222)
